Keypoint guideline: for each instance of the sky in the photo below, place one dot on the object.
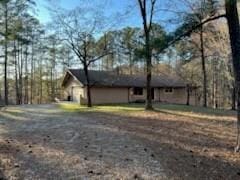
(112, 6)
(114, 9)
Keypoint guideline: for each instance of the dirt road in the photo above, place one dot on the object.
(42, 142)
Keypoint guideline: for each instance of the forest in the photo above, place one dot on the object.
(34, 56)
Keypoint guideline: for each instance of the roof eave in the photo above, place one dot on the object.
(70, 73)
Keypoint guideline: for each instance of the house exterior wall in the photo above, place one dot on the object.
(110, 95)
(78, 94)
(133, 97)
(75, 90)
(177, 96)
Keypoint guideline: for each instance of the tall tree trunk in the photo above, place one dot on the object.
(32, 68)
(53, 93)
(6, 55)
(41, 84)
(16, 73)
(216, 95)
(213, 90)
(215, 84)
(51, 81)
(89, 99)
(130, 63)
(149, 72)
(20, 71)
(233, 97)
(216, 103)
(234, 32)
(147, 25)
(232, 88)
(203, 68)
(26, 76)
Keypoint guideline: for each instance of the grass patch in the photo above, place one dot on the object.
(12, 111)
(194, 110)
(183, 110)
(119, 108)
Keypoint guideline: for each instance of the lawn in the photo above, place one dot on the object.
(128, 109)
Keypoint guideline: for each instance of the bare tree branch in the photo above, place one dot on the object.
(178, 38)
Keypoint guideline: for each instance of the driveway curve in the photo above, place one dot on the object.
(43, 142)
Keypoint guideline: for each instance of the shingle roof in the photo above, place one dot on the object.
(112, 79)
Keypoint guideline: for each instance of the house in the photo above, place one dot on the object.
(111, 87)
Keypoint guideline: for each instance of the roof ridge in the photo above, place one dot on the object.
(111, 78)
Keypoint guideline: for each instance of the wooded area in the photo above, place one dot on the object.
(107, 89)
(34, 58)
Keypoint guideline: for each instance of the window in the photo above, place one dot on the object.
(138, 91)
(168, 90)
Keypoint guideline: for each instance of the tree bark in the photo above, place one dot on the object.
(234, 32)
(215, 83)
(130, 63)
(148, 51)
(89, 99)
(20, 72)
(203, 68)
(53, 93)
(216, 94)
(26, 77)
(149, 72)
(213, 90)
(32, 70)
(6, 55)
(16, 73)
(234, 98)
(41, 83)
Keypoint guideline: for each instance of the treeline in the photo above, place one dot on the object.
(35, 57)
(32, 59)
(206, 58)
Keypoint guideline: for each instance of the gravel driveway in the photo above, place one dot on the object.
(42, 142)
